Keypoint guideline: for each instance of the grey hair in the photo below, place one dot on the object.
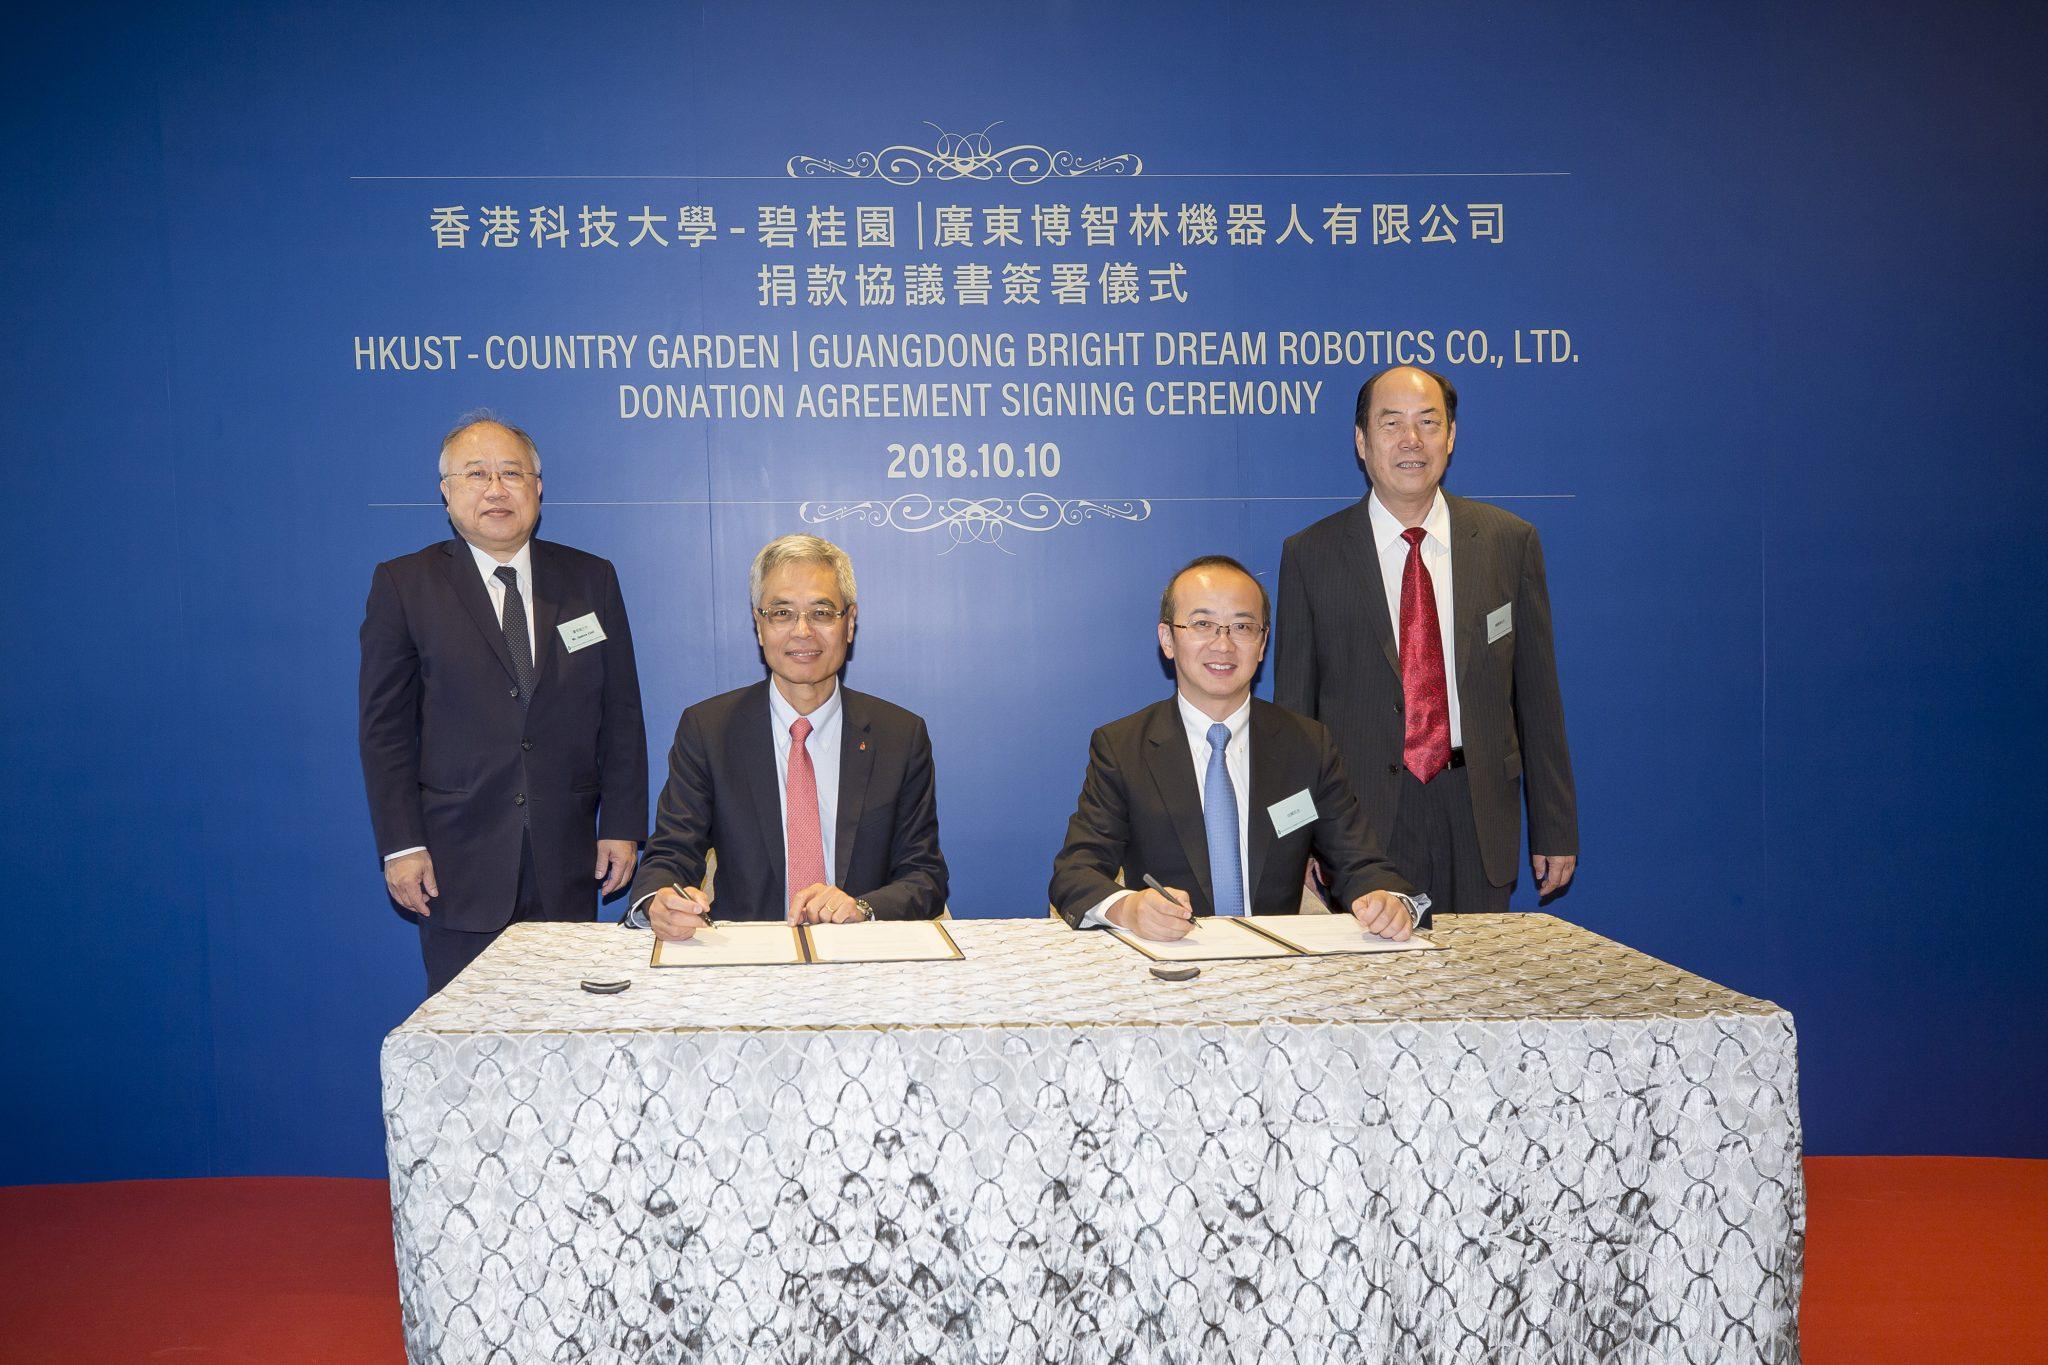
(476, 417)
(800, 549)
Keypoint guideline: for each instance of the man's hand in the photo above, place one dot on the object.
(1382, 913)
(615, 859)
(1151, 914)
(822, 904)
(410, 880)
(675, 915)
(1553, 870)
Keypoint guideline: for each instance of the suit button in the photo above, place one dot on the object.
(520, 799)
(526, 744)
(1393, 767)
(515, 691)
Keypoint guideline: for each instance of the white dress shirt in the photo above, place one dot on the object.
(822, 744)
(1237, 760)
(522, 565)
(1436, 557)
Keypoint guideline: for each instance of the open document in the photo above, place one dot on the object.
(1211, 940)
(1318, 935)
(773, 944)
(732, 945)
(1217, 939)
(881, 940)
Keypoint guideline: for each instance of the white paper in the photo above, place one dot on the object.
(882, 940)
(1291, 814)
(1320, 934)
(1500, 621)
(1213, 939)
(731, 945)
(581, 632)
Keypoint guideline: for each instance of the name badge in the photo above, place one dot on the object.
(1291, 814)
(1500, 621)
(581, 633)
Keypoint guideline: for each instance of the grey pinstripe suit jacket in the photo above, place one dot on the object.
(1336, 660)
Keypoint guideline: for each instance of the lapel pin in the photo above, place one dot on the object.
(863, 746)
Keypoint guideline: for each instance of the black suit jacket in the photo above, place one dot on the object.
(1141, 812)
(452, 760)
(1337, 660)
(722, 793)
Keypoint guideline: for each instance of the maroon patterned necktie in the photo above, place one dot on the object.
(1425, 700)
(806, 840)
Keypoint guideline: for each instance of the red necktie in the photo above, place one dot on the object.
(806, 845)
(1427, 747)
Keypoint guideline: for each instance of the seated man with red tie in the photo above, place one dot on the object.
(818, 799)
(1212, 802)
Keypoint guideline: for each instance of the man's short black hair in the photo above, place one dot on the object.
(1364, 408)
(1213, 562)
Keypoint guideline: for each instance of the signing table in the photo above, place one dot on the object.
(1536, 1145)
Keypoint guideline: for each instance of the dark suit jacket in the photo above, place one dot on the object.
(1141, 812)
(454, 762)
(722, 793)
(1337, 659)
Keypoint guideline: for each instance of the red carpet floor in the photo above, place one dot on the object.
(1920, 1259)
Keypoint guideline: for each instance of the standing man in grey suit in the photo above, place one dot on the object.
(1416, 625)
(499, 714)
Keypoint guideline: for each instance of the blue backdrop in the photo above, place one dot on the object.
(1785, 462)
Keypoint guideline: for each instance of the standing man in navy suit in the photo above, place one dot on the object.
(1216, 796)
(1416, 625)
(818, 799)
(501, 736)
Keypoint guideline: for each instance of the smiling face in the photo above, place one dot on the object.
(1215, 676)
(804, 656)
(1406, 442)
(491, 489)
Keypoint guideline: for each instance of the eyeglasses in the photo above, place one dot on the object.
(1208, 632)
(782, 618)
(480, 479)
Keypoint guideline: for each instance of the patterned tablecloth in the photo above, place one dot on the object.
(1535, 1146)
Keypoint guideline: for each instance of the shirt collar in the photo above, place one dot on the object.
(1198, 723)
(522, 561)
(784, 715)
(1386, 529)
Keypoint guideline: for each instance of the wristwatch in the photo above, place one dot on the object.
(867, 912)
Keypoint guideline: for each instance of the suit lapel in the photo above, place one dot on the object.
(547, 609)
(1364, 569)
(753, 762)
(1267, 780)
(856, 763)
(460, 566)
(1466, 575)
(1173, 772)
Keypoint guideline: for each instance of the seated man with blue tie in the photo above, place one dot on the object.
(1219, 798)
(818, 799)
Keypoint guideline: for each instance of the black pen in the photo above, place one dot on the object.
(1153, 882)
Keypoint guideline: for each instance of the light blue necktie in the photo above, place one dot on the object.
(1219, 818)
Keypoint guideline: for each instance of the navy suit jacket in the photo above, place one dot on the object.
(721, 793)
(1140, 812)
(453, 760)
